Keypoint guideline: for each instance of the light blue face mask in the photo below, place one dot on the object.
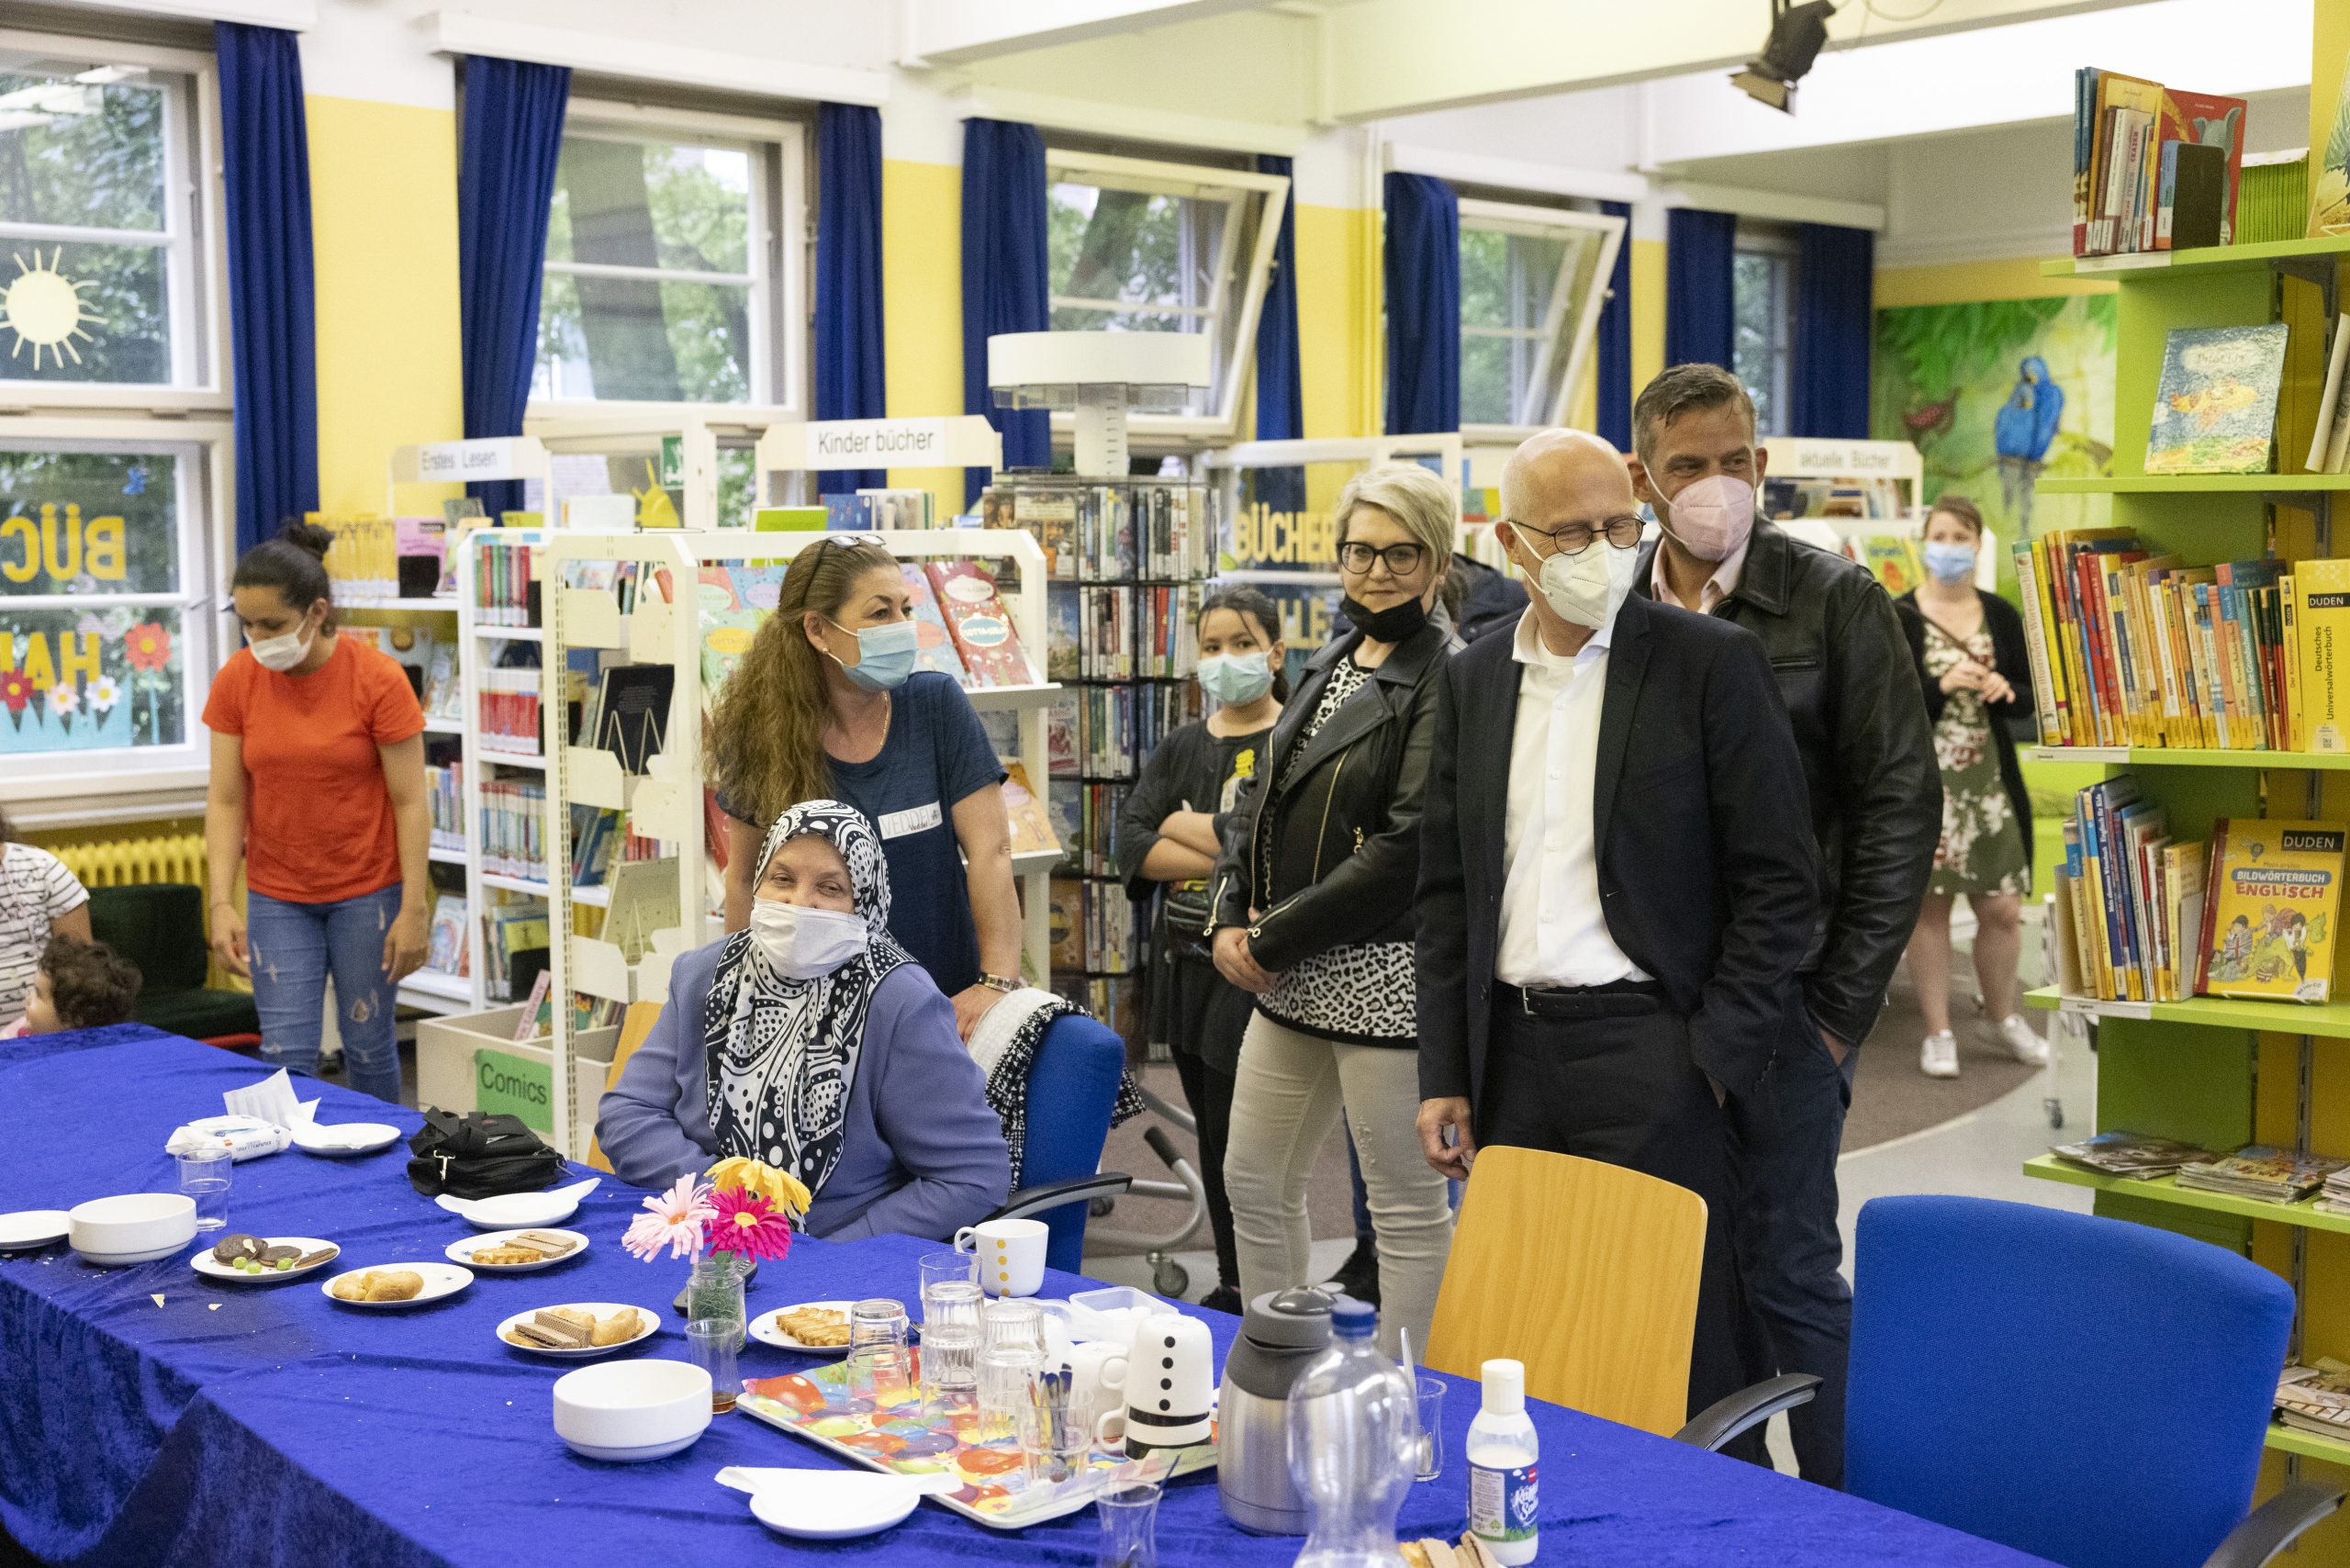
(1236, 679)
(885, 655)
(1950, 562)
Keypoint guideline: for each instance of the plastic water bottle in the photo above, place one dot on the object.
(1353, 1442)
(1505, 1507)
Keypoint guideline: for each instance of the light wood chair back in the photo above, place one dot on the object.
(1587, 1273)
(635, 1024)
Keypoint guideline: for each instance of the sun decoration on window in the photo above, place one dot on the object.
(43, 307)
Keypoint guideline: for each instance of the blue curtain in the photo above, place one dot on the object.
(1835, 273)
(1005, 288)
(1423, 304)
(265, 159)
(1615, 346)
(1280, 389)
(509, 143)
(1699, 247)
(849, 379)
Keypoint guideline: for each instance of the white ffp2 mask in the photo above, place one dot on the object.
(1586, 588)
(803, 942)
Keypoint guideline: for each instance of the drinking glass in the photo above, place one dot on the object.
(1431, 1440)
(204, 1176)
(1012, 1345)
(879, 1359)
(1129, 1515)
(710, 1341)
(944, 1269)
(950, 1342)
(1057, 1429)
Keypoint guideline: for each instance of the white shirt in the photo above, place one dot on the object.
(35, 889)
(1552, 931)
(1720, 587)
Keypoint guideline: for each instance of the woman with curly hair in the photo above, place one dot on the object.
(827, 703)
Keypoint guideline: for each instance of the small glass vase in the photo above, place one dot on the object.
(716, 1291)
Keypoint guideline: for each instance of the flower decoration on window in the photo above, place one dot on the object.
(102, 694)
(16, 689)
(148, 646)
(44, 307)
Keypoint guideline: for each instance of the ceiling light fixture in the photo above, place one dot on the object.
(1796, 34)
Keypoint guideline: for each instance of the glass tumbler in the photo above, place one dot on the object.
(950, 1341)
(1057, 1429)
(879, 1359)
(1129, 1514)
(1431, 1439)
(1012, 1346)
(710, 1342)
(205, 1174)
(944, 1269)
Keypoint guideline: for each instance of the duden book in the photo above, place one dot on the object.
(2272, 898)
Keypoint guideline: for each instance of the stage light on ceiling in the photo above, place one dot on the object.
(1796, 34)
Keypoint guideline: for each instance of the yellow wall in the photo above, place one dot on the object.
(1337, 320)
(1647, 311)
(922, 307)
(383, 237)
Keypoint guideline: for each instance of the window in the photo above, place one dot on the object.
(111, 518)
(672, 276)
(1763, 301)
(1137, 246)
(1532, 283)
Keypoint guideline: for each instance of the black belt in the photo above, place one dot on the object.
(1618, 999)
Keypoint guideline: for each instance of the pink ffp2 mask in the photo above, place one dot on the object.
(1713, 517)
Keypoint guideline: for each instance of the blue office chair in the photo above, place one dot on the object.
(2084, 1389)
(1072, 1090)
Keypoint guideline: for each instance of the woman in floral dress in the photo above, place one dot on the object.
(1970, 651)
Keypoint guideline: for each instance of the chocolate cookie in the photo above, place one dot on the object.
(229, 1249)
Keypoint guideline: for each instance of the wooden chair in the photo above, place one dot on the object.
(635, 1024)
(1586, 1272)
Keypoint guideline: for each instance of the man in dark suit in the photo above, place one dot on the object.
(1610, 920)
(1844, 668)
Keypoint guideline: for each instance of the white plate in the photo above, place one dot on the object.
(635, 1455)
(515, 1211)
(767, 1327)
(346, 1138)
(463, 1251)
(652, 1325)
(831, 1505)
(211, 1267)
(441, 1280)
(28, 1228)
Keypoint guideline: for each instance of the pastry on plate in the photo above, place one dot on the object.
(381, 1284)
(618, 1328)
(815, 1326)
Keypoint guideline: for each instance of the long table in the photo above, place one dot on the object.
(152, 1416)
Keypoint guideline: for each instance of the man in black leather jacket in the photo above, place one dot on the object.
(1876, 801)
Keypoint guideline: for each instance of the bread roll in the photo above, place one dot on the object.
(395, 1284)
(619, 1327)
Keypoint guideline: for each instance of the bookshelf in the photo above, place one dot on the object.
(666, 801)
(2219, 1072)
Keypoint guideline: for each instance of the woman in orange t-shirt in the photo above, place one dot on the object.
(318, 785)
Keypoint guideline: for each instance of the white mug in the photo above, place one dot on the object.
(1011, 1254)
(1097, 1376)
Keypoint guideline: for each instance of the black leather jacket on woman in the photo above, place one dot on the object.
(1345, 834)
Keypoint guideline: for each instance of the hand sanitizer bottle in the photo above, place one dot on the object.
(1505, 1508)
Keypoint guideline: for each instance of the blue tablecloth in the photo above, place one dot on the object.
(242, 1425)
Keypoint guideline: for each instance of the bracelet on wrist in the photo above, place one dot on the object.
(1003, 983)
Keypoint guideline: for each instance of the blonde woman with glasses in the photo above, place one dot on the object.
(1313, 910)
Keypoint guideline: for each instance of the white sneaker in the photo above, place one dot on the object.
(2026, 1047)
(1938, 1059)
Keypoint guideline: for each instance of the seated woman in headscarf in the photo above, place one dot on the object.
(814, 1042)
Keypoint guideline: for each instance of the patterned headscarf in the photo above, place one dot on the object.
(783, 1052)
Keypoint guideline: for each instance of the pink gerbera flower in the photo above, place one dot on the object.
(749, 1224)
(674, 1219)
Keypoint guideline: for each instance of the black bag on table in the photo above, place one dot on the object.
(477, 1155)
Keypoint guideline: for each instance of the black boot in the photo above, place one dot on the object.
(1358, 1275)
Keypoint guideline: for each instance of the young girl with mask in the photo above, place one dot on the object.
(811, 1041)
(827, 703)
(1973, 666)
(1168, 835)
(317, 788)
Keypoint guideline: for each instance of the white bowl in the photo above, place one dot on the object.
(135, 1228)
(627, 1410)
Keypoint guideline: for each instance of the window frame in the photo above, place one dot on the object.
(1245, 302)
(1520, 218)
(1779, 245)
(780, 248)
(194, 242)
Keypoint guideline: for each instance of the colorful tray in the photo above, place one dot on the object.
(899, 1437)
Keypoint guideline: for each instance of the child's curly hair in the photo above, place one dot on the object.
(90, 984)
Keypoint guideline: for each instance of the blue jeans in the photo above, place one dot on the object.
(293, 947)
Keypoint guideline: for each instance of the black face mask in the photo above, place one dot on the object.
(1392, 625)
